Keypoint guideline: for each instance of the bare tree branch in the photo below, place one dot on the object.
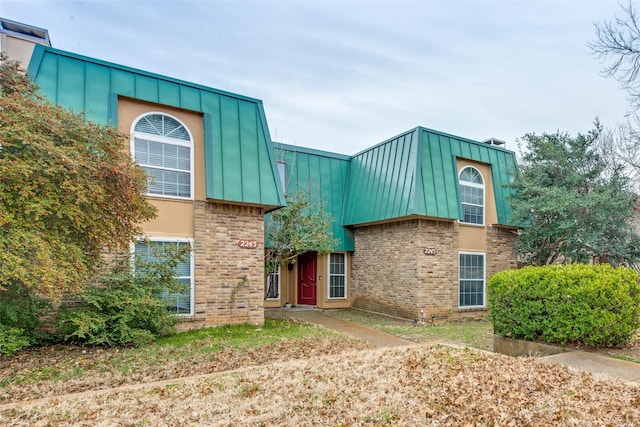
(618, 45)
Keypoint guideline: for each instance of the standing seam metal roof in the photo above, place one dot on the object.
(415, 174)
(239, 161)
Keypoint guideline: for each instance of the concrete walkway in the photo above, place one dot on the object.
(600, 366)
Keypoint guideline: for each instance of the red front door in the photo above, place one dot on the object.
(307, 278)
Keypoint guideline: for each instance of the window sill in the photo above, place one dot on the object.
(472, 308)
(471, 224)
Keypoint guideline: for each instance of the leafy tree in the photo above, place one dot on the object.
(302, 226)
(68, 190)
(573, 206)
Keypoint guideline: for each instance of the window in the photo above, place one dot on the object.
(273, 285)
(164, 148)
(472, 195)
(282, 171)
(471, 280)
(337, 275)
(180, 303)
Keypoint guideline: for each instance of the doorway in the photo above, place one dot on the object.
(307, 269)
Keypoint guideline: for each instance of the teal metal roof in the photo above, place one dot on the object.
(324, 172)
(239, 161)
(415, 174)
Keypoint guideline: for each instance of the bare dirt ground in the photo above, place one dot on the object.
(406, 386)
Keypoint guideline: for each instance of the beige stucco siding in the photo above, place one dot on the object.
(175, 217)
(473, 237)
(17, 49)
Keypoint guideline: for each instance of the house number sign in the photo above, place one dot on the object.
(430, 251)
(248, 244)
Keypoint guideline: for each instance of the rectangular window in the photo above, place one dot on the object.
(282, 171)
(337, 276)
(273, 285)
(472, 204)
(471, 282)
(168, 167)
(179, 303)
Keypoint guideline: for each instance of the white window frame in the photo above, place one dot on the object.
(473, 185)
(191, 266)
(166, 140)
(345, 275)
(484, 280)
(278, 289)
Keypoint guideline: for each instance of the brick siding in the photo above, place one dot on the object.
(229, 280)
(392, 274)
(501, 250)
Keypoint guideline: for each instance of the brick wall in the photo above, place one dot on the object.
(392, 274)
(229, 280)
(501, 250)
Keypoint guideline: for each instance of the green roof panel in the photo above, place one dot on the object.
(97, 92)
(146, 88)
(239, 162)
(169, 93)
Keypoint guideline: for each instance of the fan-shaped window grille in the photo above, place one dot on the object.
(163, 147)
(472, 195)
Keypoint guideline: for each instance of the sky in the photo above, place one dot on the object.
(342, 76)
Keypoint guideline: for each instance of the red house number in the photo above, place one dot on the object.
(248, 244)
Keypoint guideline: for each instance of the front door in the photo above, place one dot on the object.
(307, 278)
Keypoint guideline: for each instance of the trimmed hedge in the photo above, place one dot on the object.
(596, 305)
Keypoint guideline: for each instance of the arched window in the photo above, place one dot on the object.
(472, 195)
(163, 146)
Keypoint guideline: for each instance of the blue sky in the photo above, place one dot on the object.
(344, 75)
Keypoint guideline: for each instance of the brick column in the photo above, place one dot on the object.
(229, 280)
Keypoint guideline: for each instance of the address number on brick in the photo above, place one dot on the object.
(248, 244)
(430, 251)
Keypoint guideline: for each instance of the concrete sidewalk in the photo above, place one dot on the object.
(600, 366)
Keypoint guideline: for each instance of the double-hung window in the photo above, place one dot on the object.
(472, 195)
(180, 303)
(471, 280)
(337, 275)
(163, 147)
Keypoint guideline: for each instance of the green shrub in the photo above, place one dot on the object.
(12, 339)
(596, 305)
(126, 308)
(21, 312)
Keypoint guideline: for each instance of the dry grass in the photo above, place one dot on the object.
(420, 385)
(58, 370)
(292, 374)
